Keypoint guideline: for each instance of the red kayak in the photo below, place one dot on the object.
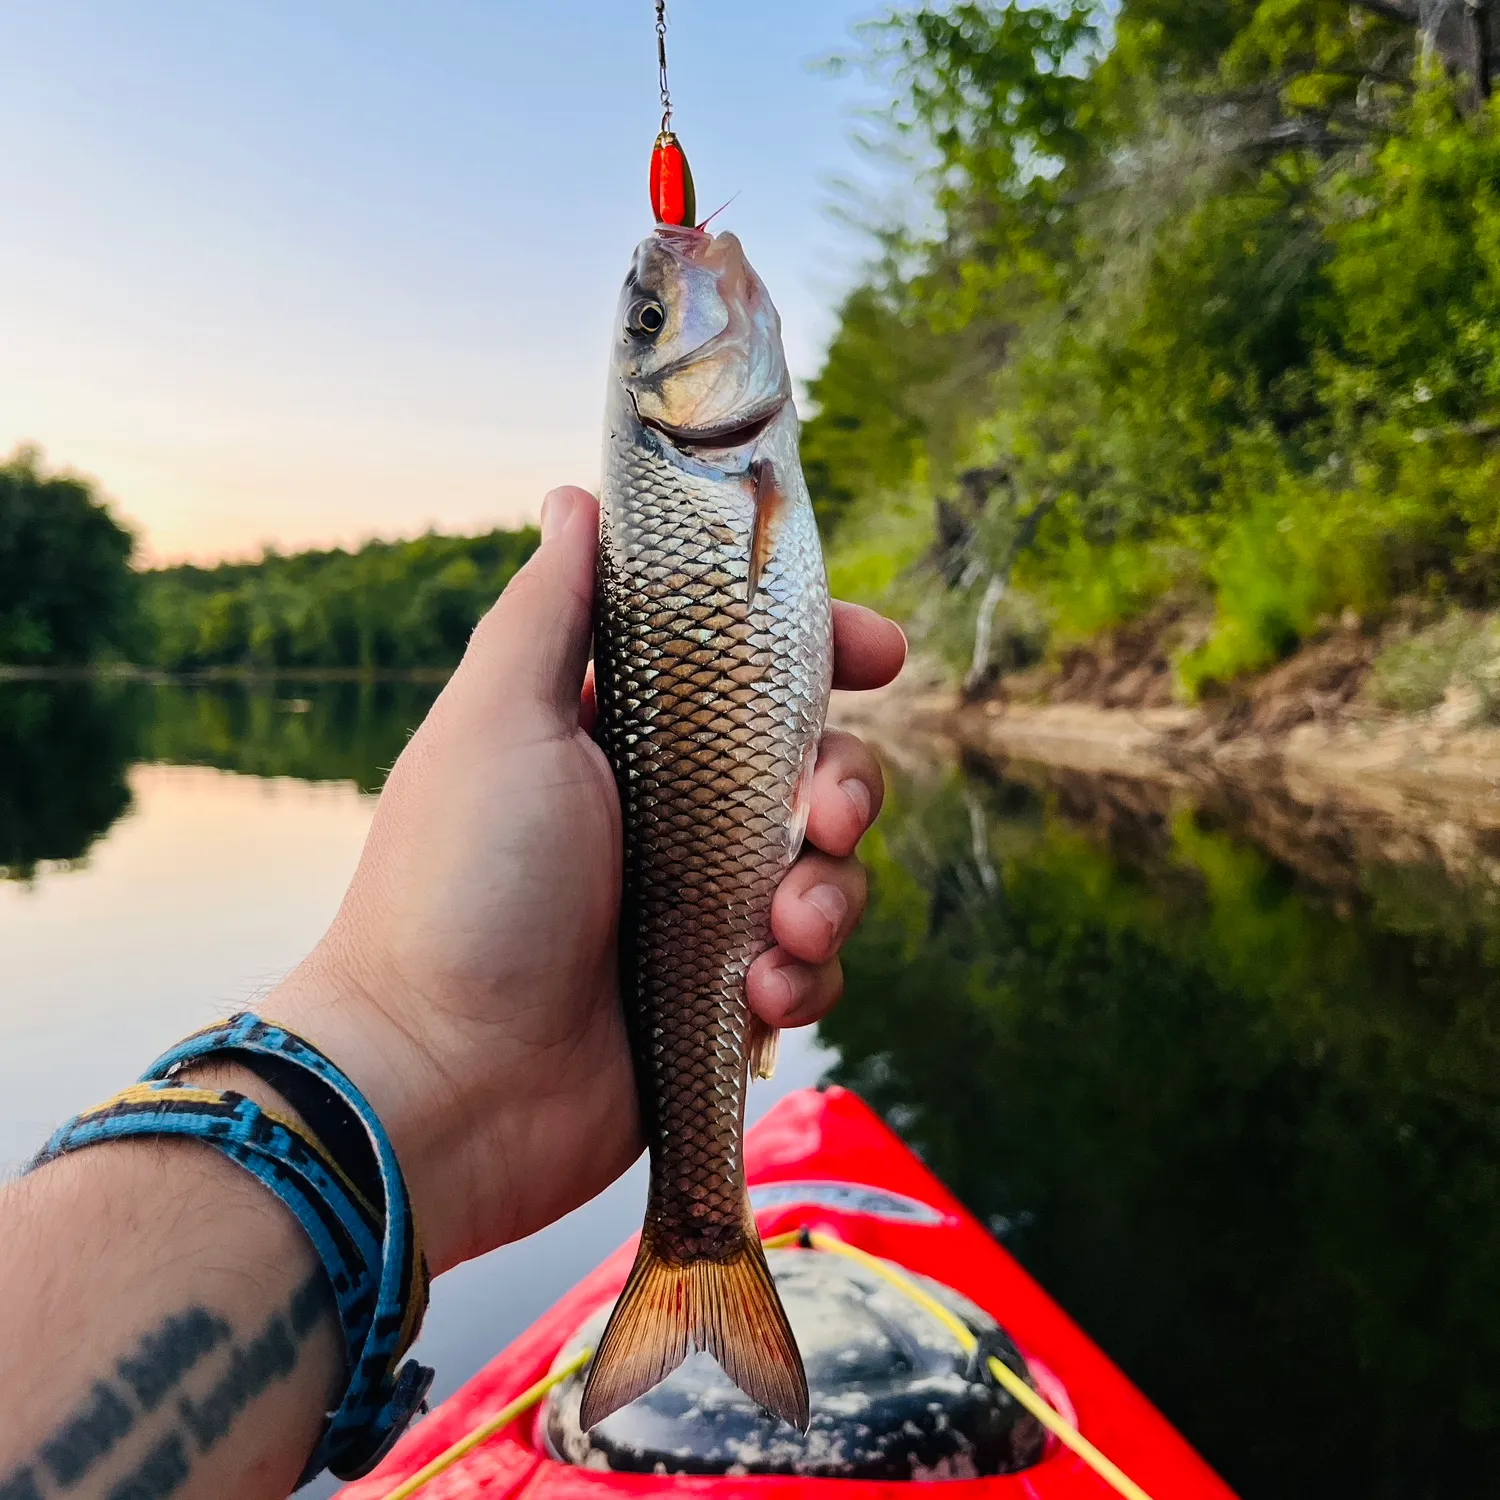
(823, 1164)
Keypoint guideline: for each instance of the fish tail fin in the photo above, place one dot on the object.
(728, 1307)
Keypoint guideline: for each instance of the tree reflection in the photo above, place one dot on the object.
(329, 731)
(66, 747)
(64, 750)
(1251, 1143)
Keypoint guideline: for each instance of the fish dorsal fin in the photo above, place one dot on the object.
(769, 503)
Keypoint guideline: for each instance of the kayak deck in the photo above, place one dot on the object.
(822, 1160)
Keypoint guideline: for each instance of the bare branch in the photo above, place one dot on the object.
(1479, 24)
(1481, 429)
(1393, 10)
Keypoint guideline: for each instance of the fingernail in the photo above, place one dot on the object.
(556, 509)
(792, 982)
(859, 794)
(828, 901)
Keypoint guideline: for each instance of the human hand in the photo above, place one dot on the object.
(468, 983)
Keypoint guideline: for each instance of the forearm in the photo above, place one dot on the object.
(167, 1330)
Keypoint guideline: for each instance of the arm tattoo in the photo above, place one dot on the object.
(87, 1434)
(145, 1376)
(20, 1486)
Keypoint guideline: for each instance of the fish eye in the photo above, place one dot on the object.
(645, 318)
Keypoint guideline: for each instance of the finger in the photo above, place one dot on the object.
(847, 791)
(532, 647)
(817, 905)
(784, 991)
(868, 649)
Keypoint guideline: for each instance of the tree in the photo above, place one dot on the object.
(67, 592)
(1217, 281)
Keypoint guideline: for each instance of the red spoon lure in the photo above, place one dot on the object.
(672, 198)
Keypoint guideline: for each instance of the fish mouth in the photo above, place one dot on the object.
(717, 439)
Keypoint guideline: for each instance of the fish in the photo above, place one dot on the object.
(713, 660)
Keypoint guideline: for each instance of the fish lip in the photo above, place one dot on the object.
(739, 435)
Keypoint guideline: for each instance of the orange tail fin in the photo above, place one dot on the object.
(728, 1307)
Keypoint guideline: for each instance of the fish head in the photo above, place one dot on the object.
(699, 347)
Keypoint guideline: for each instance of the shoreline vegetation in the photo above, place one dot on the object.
(1169, 418)
(70, 601)
(1322, 779)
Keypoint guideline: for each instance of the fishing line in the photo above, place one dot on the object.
(673, 200)
(661, 65)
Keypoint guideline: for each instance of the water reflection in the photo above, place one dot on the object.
(341, 731)
(1244, 1128)
(64, 751)
(1239, 1113)
(65, 747)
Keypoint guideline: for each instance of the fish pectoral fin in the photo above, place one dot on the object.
(762, 1044)
(728, 1307)
(770, 501)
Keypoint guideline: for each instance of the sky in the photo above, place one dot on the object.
(299, 273)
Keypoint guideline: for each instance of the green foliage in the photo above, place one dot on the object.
(1459, 652)
(1089, 589)
(877, 551)
(390, 605)
(870, 435)
(66, 589)
(1219, 285)
(1416, 272)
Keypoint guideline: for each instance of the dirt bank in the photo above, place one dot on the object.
(1301, 758)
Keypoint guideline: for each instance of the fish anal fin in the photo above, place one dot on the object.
(769, 503)
(802, 799)
(729, 1307)
(762, 1044)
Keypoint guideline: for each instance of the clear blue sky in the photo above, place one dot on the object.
(314, 270)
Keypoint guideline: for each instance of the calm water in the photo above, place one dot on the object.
(1243, 1122)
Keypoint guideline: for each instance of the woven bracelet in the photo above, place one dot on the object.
(368, 1246)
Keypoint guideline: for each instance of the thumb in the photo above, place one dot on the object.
(529, 653)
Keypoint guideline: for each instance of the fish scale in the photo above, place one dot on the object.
(711, 699)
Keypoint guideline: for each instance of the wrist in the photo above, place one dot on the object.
(320, 1002)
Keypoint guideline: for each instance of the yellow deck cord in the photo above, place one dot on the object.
(1052, 1420)
(1055, 1423)
(487, 1429)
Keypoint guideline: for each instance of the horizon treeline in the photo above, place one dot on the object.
(1195, 318)
(69, 596)
(387, 606)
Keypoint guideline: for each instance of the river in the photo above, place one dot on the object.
(1239, 1113)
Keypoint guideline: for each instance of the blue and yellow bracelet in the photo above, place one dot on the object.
(341, 1180)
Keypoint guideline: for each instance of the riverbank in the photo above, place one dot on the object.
(1302, 759)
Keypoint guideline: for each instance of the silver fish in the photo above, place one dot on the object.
(713, 652)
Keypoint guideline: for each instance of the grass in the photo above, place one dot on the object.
(1460, 652)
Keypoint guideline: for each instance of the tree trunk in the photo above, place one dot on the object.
(984, 635)
(1459, 35)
